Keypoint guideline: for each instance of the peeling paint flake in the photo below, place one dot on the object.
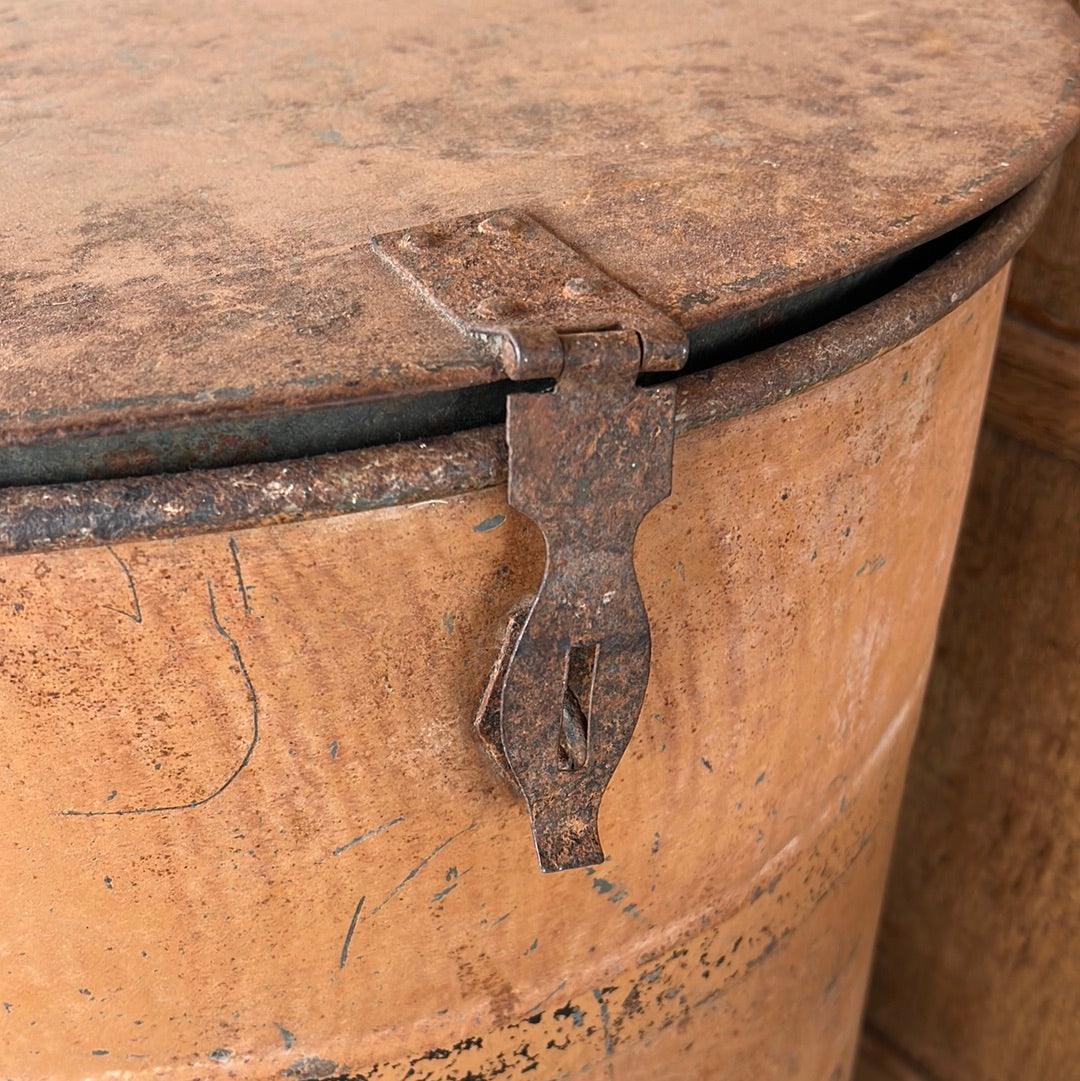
(488, 524)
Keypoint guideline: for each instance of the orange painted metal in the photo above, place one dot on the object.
(251, 833)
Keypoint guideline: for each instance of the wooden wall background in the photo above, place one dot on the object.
(977, 975)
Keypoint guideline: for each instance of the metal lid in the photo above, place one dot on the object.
(191, 188)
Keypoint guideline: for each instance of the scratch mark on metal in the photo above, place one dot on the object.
(234, 551)
(544, 1001)
(253, 697)
(401, 885)
(136, 615)
(871, 566)
(368, 834)
(343, 960)
(615, 893)
(441, 895)
(419, 867)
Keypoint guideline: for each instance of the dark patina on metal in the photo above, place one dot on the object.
(588, 461)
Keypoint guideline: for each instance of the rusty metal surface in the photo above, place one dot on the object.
(213, 441)
(191, 187)
(588, 461)
(92, 513)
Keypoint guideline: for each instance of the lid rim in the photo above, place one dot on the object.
(93, 513)
(231, 433)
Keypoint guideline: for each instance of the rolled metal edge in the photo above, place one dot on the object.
(88, 513)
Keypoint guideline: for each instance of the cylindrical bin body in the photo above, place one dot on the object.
(979, 975)
(255, 833)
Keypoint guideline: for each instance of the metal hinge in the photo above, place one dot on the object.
(588, 461)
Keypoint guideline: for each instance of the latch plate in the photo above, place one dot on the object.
(588, 461)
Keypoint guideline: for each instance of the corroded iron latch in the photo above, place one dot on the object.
(587, 463)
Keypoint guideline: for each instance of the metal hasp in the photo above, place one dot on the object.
(588, 461)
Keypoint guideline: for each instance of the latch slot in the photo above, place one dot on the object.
(573, 747)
